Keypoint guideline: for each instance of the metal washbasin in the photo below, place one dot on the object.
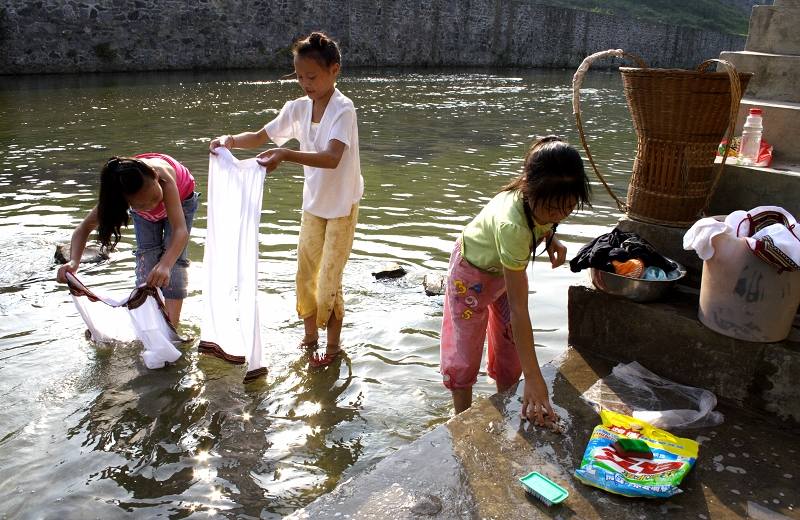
(635, 289)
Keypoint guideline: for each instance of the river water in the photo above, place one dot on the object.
(87, 431)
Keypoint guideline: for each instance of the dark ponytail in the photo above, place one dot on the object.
(552, 174)
(120, 178)
(319, 47)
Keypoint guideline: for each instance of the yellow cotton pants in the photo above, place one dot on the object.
(322, 252)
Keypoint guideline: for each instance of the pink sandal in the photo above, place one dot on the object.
(316, 360)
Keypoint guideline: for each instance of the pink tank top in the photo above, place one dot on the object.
(183, 178)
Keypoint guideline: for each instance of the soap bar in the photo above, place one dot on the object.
(632, 448)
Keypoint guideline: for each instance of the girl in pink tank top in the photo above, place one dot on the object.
(183, 179)
(158, 192)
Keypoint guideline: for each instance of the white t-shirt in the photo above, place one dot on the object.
(327, 193)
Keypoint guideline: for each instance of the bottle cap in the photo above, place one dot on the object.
(756, 111)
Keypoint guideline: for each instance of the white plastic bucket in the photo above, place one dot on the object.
(743, 296)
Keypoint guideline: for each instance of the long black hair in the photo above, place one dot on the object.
(552, 174)
(120, 178)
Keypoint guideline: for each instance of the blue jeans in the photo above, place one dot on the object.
(152, 239)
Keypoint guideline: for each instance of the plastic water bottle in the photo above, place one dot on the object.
(751, 138)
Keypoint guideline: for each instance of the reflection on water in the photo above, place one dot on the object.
(88, 431)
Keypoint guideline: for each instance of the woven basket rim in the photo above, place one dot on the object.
(681, 72)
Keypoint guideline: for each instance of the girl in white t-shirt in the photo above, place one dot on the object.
(324, 123)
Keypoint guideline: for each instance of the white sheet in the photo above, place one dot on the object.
(230, 319)
(111, 318)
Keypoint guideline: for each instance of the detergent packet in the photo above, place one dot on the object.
(657, 477)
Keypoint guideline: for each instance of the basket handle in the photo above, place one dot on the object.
(577, 81)
(736, 97)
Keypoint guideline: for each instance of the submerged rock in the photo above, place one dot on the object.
(390, 271)
(91, 254)
(428, 505)
(434, 283)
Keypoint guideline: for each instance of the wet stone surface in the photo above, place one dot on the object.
(91, 254)
(427, 505)
(434, 283)
(746, 468)
(422, 480)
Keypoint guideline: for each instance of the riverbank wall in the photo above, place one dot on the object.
(63, 36)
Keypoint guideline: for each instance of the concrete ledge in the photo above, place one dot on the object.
(773, 29)
(743, 187)
(468, 468)
(668, 338)
(775, 76)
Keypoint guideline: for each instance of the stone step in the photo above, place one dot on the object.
(774, 30)
(775, 76)
(470, 466)
(787, 3)
(668, 338)
(781, 126)
(746, 187)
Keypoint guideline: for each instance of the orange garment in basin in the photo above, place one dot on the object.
(633, 268)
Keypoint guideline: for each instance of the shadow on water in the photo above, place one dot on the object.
(171, 433)
(190, 438)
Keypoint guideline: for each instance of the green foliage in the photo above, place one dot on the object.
(713, 15)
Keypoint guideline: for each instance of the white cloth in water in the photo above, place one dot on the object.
(141, 315)
(230, 328)
(771, 233)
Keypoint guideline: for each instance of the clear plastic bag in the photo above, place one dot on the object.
(633, 390)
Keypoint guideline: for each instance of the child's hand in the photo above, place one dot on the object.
(557, 252)
(270, 159)
(536, 404)
(69, 267)
(159, 276)
(223, 140)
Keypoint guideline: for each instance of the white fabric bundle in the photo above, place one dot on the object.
(230, 328)
(140, 315)
(782, 236)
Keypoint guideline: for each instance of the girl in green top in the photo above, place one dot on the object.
(487, 286)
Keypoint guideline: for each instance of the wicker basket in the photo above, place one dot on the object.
(680, 117)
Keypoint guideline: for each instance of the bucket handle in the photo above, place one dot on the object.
(736, 97)
(577, 81)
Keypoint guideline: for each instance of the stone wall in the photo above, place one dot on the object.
(47, 36)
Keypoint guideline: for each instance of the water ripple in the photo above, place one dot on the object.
(87, 430)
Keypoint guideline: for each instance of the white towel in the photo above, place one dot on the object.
(777, 243)
(141, 315)
(230, 327)
(699, 236)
